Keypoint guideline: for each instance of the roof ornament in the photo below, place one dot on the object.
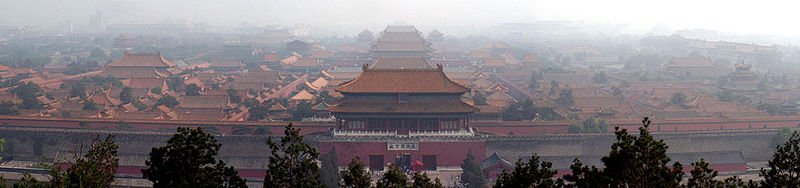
(439, 66)
(365, 67)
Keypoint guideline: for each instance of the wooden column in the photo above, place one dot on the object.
(466, 122)
(417, 123)
(417, 126)
(438, 123)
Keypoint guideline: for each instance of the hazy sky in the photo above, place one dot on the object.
(736, 16)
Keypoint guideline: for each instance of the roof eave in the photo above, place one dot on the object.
(382, 92)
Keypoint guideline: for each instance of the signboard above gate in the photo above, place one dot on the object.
(402, 146)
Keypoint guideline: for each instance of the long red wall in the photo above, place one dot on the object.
(497, 128)
(665, 125)
(224, 127)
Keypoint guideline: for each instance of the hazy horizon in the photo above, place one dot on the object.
(761, 18)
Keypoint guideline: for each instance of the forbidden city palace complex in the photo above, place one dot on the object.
(403, 111)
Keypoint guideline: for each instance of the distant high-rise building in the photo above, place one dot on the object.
(96, 20)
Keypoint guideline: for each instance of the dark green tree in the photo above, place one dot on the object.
(722, 81)
(533, 173)
(553, 87)
(28, 93)
(678, 98)
(156, 90)
(98, 53)
(616, 91)
(762, 84)
(77, 89)
(27, 181)
(325, 96)
(329, 172)
(89, 105)
(2, 146)
(519, 111)
(94, 169)
(589, 125)
(168, 100)
(642, 155)
(600, 78)
(393, 178)
(703, 176)
(536, 77)
(26, 90)
(292, 163)
(138, 104)
(233, 95)
(8, 108)
(565, 98)
(126, 96)
(193, 90)
(31, 103)
(303, 110)
(725, 96)
(585, 176)
(784, 168)
(479, 98)
(471, 175)
(355, 176)
(188, 161)
(634, 161)
(251, 102)
(175, 82)
(258, 111)
(421, 180)
(736, 182)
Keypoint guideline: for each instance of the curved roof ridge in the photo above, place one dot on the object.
(142, 60)
(402, 81)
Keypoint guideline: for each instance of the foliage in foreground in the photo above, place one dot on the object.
(292, 163)
(634, 161)
(471, 174)
(355, 176)
(188, 161)
(95, 169)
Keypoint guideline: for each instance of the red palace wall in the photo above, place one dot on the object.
(658, 125)
(496, 128)
(448, 153)
(224, 127)
(725, 167)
